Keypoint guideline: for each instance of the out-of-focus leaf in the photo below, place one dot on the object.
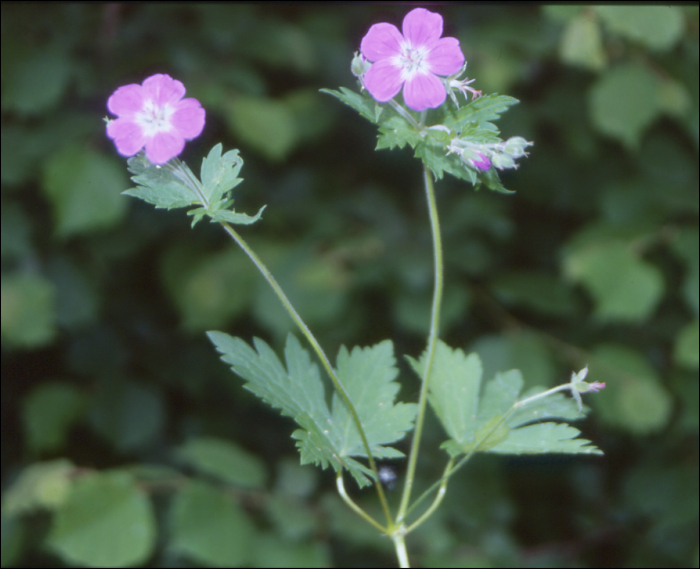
(28, 314)
(39, 485)
(210, 527)
(685, 351)
(540, 292)
(15, 228)
(224, 460)
(624, 287)
(657, 27)
(128, 414)
(49, 412)
(107, 521)
(36, 83)
(266, 125)
(271, 551)
(84, 188)
(209, 290)
(582, 43)
(624, 102)
(634, 398)
(76, 299)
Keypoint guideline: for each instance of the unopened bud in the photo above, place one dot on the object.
(359, 65)
(476, 159)
(502, 161)
(515, 146)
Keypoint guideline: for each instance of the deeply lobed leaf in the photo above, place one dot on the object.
(486, 422)
(326, 437)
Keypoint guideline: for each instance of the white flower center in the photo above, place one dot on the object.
(412, 61)
(154, 118)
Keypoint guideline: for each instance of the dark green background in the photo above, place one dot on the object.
(594, 260)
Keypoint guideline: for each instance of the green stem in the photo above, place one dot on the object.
(321, 355)
(450, 470)
(432, 343)
(438, 498)
(354, 507)
(400, 546)
(184, 174)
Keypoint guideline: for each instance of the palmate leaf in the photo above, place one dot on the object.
(480, 112)
(158, 185)
(327, 437)
(220, 173)
(476, 422)
(362, 103)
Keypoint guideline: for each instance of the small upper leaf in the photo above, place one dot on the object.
(158, 185)
(480, 112)
(220, 173)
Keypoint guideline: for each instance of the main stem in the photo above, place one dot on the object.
(319, 351)
(432, 343)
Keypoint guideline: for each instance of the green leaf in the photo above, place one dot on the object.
(685, 351)
(225, 216)
(396, 132)
(224, 460)
(625, 287)
(480, 111)
(271, 551)
(84, 188)
(582, 43)
(157, 185)
(624, 102)
(219, 174)
(266, 124)
(454, 390)
(49, 412)
(107, 521)
(28, 314)
(326, 438)
(363, 104)
(210, 527)
(544, 438)
(634, 398)
(657, 27)
(489, 423)
(39, 485)
(368, 375)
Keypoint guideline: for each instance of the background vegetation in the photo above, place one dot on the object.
(126, 441)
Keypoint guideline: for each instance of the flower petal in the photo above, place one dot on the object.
(383, 80)
(127, 135)
(126, 100)
(163, 89)
(381, 41)
(188, 118)
(422, 27)
(446, 57)
(424, 91)
(164, 146)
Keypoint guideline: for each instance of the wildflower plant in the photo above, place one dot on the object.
(412, 86)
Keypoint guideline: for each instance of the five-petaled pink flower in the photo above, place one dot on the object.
(154, 115)
(412, 60)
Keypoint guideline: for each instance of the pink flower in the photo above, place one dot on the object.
(413, 60)
(154, 115)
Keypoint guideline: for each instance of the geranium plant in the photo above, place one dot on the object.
(410, 87)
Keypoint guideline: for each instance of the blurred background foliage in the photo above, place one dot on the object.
(125, 441)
